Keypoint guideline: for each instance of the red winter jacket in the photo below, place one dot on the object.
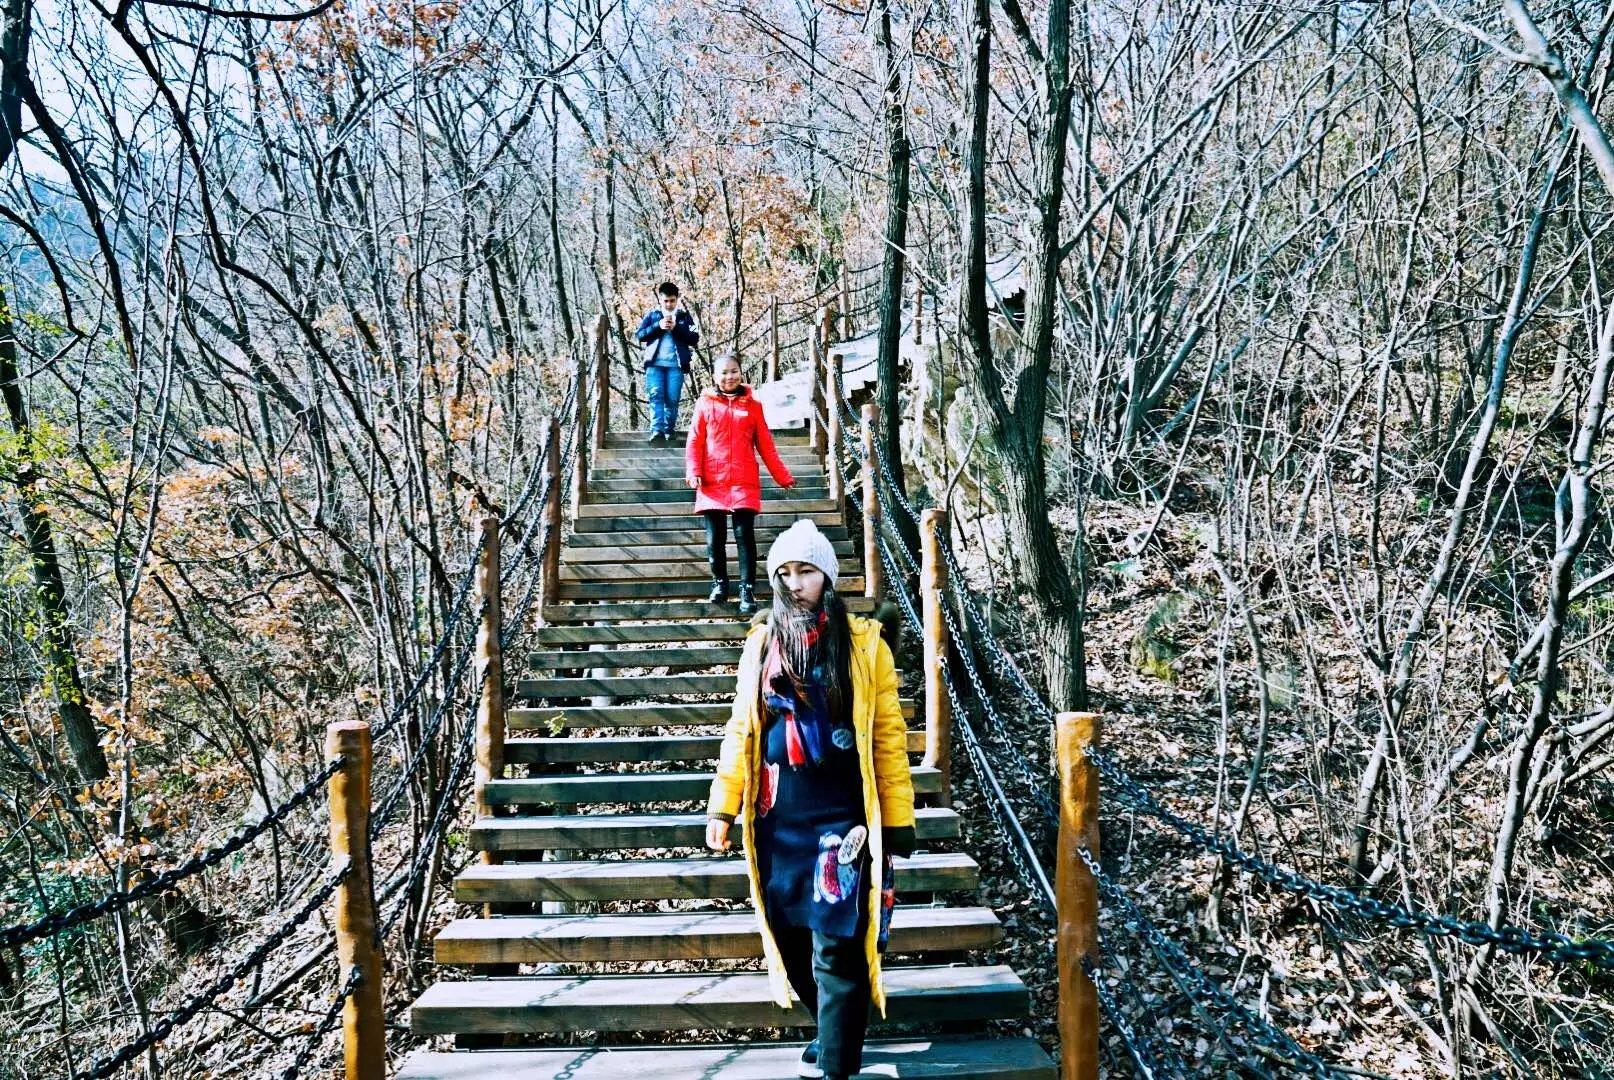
(724, 440)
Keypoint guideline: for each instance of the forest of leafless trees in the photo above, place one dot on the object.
(1288, 454)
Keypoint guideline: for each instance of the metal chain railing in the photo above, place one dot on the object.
(327, 1023)
(238, 971)
(1194, 982)
(56, 922)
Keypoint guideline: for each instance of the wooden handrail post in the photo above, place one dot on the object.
(818, 342)
(932, 593)
(490, 670)
(773, 339)
(551, 565)
(846, 302)
(363, 1023)
(1076, 893)
(580, 434)
(602, 379)
(832, 406)
(873, 568)
(918, 313)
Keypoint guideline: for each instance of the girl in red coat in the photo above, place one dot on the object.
(720, 463)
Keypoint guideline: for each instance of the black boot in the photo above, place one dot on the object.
(720, 592)
(748, 600)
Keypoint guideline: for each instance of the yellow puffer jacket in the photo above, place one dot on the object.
(882, 746)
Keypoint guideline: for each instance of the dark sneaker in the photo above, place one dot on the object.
(720, 593)
(655, 438)
(809, 1061)
(748, 600)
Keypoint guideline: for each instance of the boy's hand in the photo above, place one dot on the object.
(717, 835)
(695, 482)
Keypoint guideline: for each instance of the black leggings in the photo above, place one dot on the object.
(831, 977)
(745, 539)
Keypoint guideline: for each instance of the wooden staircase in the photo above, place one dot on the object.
(598, 831)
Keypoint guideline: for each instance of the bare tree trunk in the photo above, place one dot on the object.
(893, 265)
(56, 638)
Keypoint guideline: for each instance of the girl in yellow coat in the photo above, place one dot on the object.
(814, 765)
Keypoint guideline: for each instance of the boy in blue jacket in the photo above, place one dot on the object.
(666, 334)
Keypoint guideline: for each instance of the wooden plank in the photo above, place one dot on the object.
(614, 716)
(596, 832)
(668, 657)
(628, 611)
(632, 788)
(704, 878)
(717, 630)
(640, 507)
(790, 455)
(768, 529)
(674, 470)
(678, 483)
(686, 495)
(575, 557)
(688, 587)
(641, 686)
(704, 1000)
(910, 1059)
(631, 439)
(681, 935)
(613, 750)
(586, 523)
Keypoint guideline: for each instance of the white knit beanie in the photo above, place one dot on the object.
(802, 542)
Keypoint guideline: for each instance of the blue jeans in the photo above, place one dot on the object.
(663, 385)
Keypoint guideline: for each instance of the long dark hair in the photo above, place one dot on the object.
(789, 625)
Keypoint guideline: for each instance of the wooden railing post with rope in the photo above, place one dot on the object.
(490, 670)
(818, 343)
(873, 570)
(600, 355)
(773, 339)
(1076, 893)
(932, 592)
(550, 572)
(581, 440)
(832, 397)
(363, 1022)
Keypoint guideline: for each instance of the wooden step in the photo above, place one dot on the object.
(768, 530)
(661, 522)
(797, 454)
(668, 657)
(595, 832)
(637, 508)
(693, 553)
(673, 469)
(646, 611)
(703, 878)
(910, 1059)
(634, 788)
(673, 589)
(601, 751)
(685, 495)
(630, 440)
(702, 1000)
(546, 717)
(678, 483)
(640, 568)
(642, 686)
(681, 935)
(732, 629)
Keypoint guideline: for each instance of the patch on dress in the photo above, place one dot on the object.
(843, 738)
(852, 846)
(769, 790)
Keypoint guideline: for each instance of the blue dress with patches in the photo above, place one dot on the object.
(811, 832)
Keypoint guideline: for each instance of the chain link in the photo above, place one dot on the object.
(355, 976)
(1112, 1010)
(16, 936)
(253, 960)
(1510, 939)
(1195, 983)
